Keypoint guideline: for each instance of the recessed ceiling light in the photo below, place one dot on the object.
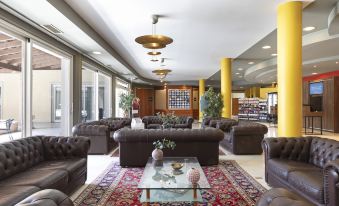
(240, 69)
(309, 28)
(337, 62)
(240, 76)
(273, 55)
(315, 66)
(250, 62)
(237, 73)
(96, 52)
(314, 73)
(266, 47)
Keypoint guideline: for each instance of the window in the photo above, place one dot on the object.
(48, 91)
(121, 87)
(96, 95)
(11, 75)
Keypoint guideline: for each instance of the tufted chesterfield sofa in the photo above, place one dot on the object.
(47, 197)
(212, 121)
(32, 164)
(100, 133)
(113, 121)
(241, 138)
(136, 145)
(308, 166)
(154, 122)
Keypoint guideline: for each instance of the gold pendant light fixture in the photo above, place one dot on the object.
(154, 41)
(162, 73)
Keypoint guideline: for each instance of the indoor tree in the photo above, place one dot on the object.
(125, 102)
(212, 103)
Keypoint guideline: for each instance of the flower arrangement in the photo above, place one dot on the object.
(168, 119)
(164, 143)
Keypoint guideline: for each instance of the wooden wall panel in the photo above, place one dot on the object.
(146, 96)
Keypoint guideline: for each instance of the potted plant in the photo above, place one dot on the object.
(168, 120)
(159, 145)
(213, 103)
(125, 103)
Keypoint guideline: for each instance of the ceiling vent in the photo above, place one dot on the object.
(52, 28)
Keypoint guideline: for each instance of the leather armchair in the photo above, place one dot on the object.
(306, 165)
(243, 137)
(100, 133)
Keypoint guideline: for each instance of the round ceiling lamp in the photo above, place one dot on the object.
(162, 73)
(154, 41)
(154, 53)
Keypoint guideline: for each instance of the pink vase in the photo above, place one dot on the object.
(193, 176)
(157, 154)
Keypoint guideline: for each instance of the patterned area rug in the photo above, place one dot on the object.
(117, 186)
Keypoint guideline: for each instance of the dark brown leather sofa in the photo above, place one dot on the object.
(136, 145)
(308, 166)
(126, 122)
(154, 122)
(47, 197)
(242, 138)
(32, 164)
(212, 121)
(100, 133)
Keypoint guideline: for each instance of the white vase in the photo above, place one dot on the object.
(157, 154)
(193, 176)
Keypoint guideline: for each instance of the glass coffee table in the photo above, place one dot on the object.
(161, 183)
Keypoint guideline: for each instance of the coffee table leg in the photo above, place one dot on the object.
(148, 197)
(195, 203)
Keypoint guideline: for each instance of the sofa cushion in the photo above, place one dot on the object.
(42, 178)
(282, 167)
(180, 126)
(10, 195)
(74, 167)
(309, 182)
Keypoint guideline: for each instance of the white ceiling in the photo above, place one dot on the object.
(203, 31)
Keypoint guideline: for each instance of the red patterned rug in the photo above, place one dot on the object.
(117, 186)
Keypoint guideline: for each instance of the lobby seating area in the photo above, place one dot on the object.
(171, 103)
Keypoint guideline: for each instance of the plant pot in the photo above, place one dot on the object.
(157, 154)
(193, 176)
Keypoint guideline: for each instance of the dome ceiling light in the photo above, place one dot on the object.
(162, 73)
(154, 41)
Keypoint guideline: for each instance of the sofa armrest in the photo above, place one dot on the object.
(59, 148)
(331, 183)
(46, 197)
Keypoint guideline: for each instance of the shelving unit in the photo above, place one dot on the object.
(253, 109)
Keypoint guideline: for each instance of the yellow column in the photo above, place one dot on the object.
(201, 92)
(290, 69)
(226, 86)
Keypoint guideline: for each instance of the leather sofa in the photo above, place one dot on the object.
(242, 138)
(136, 146)
(281, 197)
(212, 121)
(154, 122)
(308, 166)
(100, 133)
(48, 197)
(31, 164)
(126, 122)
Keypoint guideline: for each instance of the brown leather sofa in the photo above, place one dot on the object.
(154, 122)
(242, 138)
(100, 133)
(126, 122)
(32, 164)
(212, 121)
(281, 197)
(48, 197)
(136, 146)
(308, 166)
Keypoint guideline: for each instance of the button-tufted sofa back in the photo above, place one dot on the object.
(323, 150)
(19, 155)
